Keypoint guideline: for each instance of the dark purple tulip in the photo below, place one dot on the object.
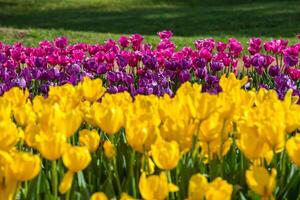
(122, 61)
(53, 73)
(184, 76)
(2, 57)
(274, 71)
(101, 69)
(201, 73)
(199, 62)
(217, 66)
(111, 76)
(74, 68)
(112, 89)
(258, 60)
(290, 60)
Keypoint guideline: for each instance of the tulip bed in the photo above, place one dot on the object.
(110, 122)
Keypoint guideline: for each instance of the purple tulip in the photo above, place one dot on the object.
(274, 71)
(124, 41)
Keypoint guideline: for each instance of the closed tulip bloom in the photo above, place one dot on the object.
(90, 139)
(9, 136)
(109, 149)
(155, 187)
(251, 143)
(5, 109)
(197, 187)
(57, 142)
(165, 154)
(112, 120)
(8, 186)
(210, 129)
(91, 90)
(98, 196)
(17, 96)
(146, 133)
(109, 118)
(261, 181)
(218, 189)
(24, 114)
(70, 122)
(76, 158)
(66, 182)
(293, 149)
(25, 166)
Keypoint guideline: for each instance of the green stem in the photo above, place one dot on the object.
(54, 178)
(116, 174)
(131, 174)
(170, 181)
(68, 195)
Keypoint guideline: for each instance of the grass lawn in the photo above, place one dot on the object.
(94, 21)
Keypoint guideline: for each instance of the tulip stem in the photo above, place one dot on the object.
(131, 174)
(116, 174)
(68, 195)
(170, 181)
(54, 178)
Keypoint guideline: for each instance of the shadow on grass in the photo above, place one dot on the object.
(250, 18)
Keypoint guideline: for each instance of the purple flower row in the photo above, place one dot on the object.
(132, 65)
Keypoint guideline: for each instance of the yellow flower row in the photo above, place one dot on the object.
(163, 130)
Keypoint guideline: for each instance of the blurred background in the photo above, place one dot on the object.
(94, 21)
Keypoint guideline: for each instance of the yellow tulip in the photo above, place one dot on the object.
(25, 166)
(293, 149)
(24, 114)
(125, 196)
(76, 158)
(98, 196)
(57, 142)
(17, 96)
(5, 109)
(180, 130)
(8, 189)
(109, 149)
(155, 187)
(251, 143)
(197, 105)
(165, 154)
(231, 83)
(218, 189)
(197, 187)
(261, 181)
(90, 139)
(215, 148)
(54, 119)
(9, 136)
(109, 118)
(30, 134)
(66, 182)
(147, 165)
(211, 128)
(91, 90)
(145, 131)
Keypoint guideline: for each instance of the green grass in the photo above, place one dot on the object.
(92, 21)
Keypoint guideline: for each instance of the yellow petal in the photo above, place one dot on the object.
(66, 182)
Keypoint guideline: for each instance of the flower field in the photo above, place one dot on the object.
(125, 120)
